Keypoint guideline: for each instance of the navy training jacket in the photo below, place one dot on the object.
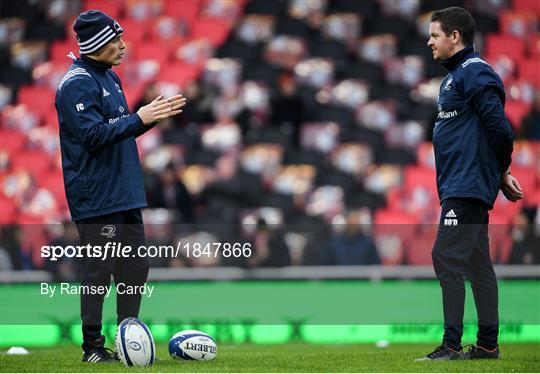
(100, 162)
(472, 137)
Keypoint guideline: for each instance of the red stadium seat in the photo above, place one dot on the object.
(12, 141)
(504, 66)
(526, 154)
(112, 8)
(395, 217)
(169, 31)
(188, 10)
(533, 199)
(54, 182)
(8, 211)
(155, 50)
(504, 211)
(179, 73)
(517, 23)
(35, 162)
(419, 252)
(425, 155)
(528, 5)
(533, 46)
(70, 33)
(51, 119)
(30, 220)
(499, 217)
(215, 30)
(135, 31)
(529, 70)
(422, 176)
(39, 100)
(515, 111)
(394, 230)
(528, 179)
(394, 198)
(500, 242)
(415, 199)
(50, 73)
(133, 93)
(497, 44)
(60, 49)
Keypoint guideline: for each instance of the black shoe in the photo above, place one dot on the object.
(478, 353)
(442, 353)
(99, 355)
(95, 352)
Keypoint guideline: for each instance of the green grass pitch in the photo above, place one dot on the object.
(286, 358)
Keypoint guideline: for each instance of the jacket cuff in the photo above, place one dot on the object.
(139, 124)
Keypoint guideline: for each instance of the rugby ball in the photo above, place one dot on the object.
(134, 343)
(192, 345)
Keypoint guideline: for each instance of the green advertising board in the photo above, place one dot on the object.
(269, 311)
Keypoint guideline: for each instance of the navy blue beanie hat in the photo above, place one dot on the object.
(95, 29)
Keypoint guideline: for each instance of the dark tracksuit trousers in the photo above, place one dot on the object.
(132, 271)
(461, 250)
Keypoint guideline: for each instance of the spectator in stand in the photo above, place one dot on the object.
(287, 108)
(65, 268)
(149, 94)
(530, 125)
(170, 192)
(5, 260)
(10, 244)
(352, 246)
(526, 247)
(200, 105)
(228, 188)
(269, 247)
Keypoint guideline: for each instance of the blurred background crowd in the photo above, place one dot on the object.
(307, 130)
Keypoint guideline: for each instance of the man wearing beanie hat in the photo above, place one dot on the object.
(102, 172)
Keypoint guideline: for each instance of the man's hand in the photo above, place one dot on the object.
(161, 108)
(511, 188)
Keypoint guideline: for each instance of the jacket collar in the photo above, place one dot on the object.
(451, 63)
(95, 64)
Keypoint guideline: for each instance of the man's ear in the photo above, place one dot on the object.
(456, 36)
